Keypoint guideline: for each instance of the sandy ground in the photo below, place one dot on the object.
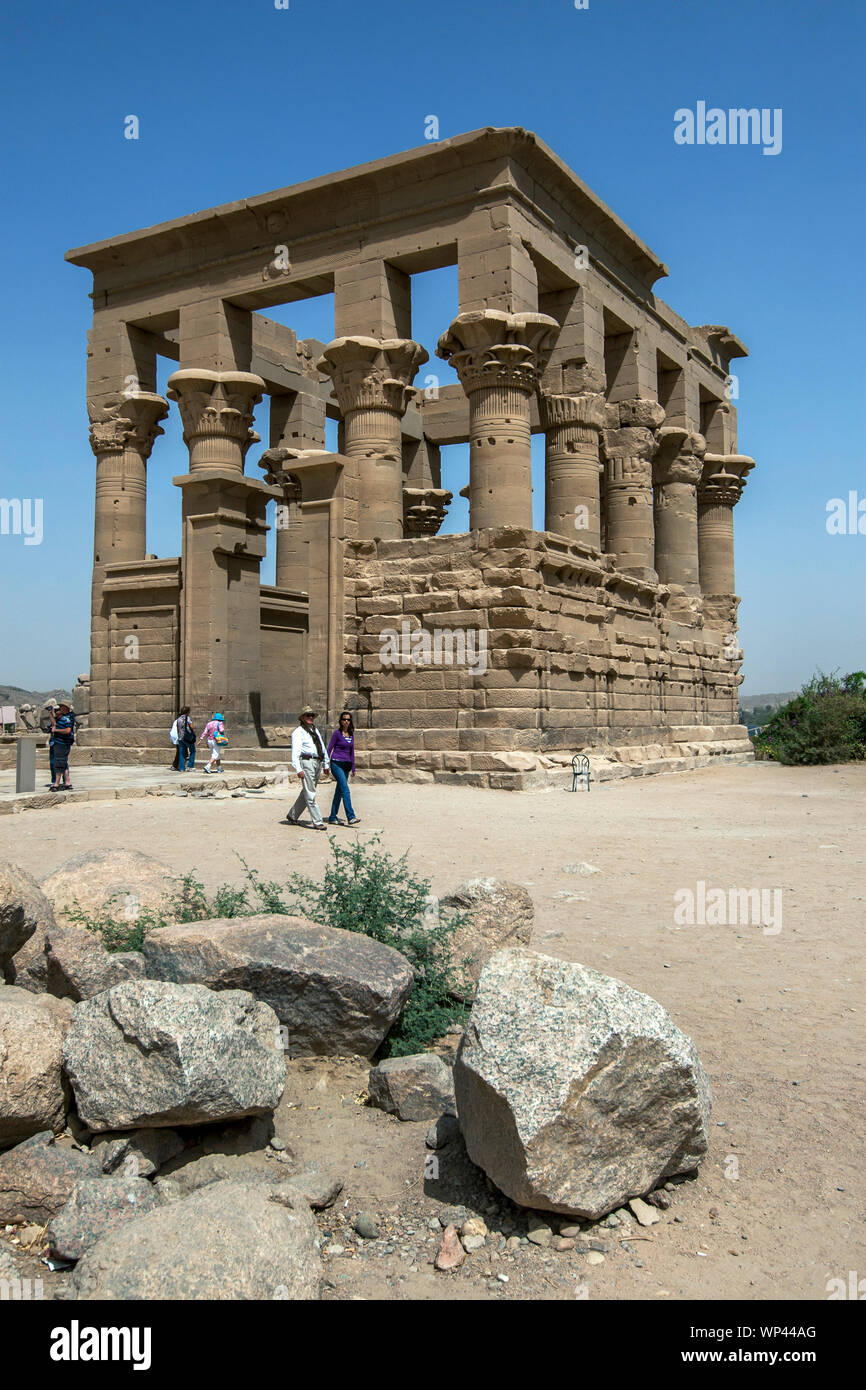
(777, 1208)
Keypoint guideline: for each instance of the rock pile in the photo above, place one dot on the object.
(136, 1110)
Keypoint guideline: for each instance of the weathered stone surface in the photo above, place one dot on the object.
(140, 1153)
(574, 1091)
(8, 1268)
(230, 1241)
(148, 1054)
(646, 1215)
(366, 1225)
(450, 1254)
(24, 910)
(335, 992)
(77, 965)
(250, 1136)
(28, 968)
(500, 914)
(37, 1178)
(442, 1132)
(182, 1179)
(133, 962)
(420, 1087)
(119, 881)
(319, 1190)
(95, 1206)
(31, 1083)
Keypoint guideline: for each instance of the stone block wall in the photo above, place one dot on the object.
(551, 650)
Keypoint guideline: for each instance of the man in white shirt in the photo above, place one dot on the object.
(309, 760)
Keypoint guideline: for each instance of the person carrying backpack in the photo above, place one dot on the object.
(214, 733)
(183, 737)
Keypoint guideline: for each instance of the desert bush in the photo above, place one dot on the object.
(368, 890)
(364, 889)
(825, 723)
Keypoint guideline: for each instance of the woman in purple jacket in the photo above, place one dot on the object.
(341, 751)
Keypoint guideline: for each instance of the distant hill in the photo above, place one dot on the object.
(14, 695)
(753, 702)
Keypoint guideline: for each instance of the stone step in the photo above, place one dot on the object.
(157, 739)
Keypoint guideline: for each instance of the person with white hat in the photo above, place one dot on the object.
(310, 762)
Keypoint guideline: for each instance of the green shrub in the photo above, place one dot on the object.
(825, 723)
(116, 930)
(364, 889)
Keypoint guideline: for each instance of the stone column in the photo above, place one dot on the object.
(499, 358)
(123, 428)
(291, 556)
(720, 489)
(297, 426)
(373, 384)
(629, 447)
(224, 533)
(676, 473)
(122, 433)
(572, 468)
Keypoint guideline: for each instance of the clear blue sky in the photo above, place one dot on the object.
(236, 97)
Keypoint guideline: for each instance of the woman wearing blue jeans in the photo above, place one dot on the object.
(341, 751)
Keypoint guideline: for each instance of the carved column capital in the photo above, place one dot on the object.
(499, 358)
(489, 347)
(680, 456)
(217, 413)
(122, 432)
(723, 478)
(424, 510)
(278, 465)
(126, 421)
(373, 373)
(630, 431)
(579, 418)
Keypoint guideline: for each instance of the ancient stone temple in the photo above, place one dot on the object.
(477, 655)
